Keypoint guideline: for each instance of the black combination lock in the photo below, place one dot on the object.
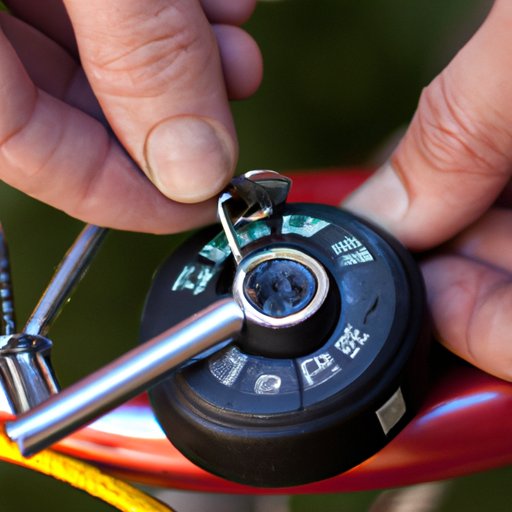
(332, 361)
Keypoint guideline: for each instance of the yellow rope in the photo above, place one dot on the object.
(87, 478)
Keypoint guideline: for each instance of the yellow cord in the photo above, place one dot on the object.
(82, 476)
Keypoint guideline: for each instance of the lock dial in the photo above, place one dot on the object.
(330, 365)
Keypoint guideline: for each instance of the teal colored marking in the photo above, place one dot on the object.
(195, 278)
(303, 225)
(251, 232)
(217, 249)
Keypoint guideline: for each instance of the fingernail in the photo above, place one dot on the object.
(190, 159)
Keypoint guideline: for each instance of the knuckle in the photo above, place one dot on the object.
(32, 132)
(155, 48)
(13, 126)
(86, 199)
(453, 136)
(487, 336)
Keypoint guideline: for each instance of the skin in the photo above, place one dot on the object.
(160, 77)
(448, 185)
(140, 91)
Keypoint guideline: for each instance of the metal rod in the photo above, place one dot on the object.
(228, 227)
(7, 319)
(124, 378)
(68, 274)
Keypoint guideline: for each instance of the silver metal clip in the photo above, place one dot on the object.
(250, 197)
(26, 373)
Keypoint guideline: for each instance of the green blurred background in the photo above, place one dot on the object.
(342, 78)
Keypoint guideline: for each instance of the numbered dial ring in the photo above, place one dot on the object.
(331, 363)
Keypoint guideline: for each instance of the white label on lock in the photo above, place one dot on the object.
(194, 277)
(318, 369)
(350, 251)
(228, 366)
(351, 341)
(391, 412)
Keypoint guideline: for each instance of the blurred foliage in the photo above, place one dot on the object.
(340, 78)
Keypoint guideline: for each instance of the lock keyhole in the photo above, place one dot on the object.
(280, 287)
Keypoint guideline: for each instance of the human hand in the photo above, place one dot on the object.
(156, 71)
(440, 186)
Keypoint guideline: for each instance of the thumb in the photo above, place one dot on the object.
(155, 69)
(457, 153)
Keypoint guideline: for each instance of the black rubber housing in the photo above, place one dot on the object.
(285, 419)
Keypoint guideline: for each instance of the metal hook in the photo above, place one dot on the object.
(250, 197)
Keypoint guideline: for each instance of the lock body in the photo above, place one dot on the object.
(332, 361)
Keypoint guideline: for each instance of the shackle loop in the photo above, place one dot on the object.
(251, 197)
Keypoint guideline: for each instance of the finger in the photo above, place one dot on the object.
(242, 64)
(488, 240)
(227, 11)
(53, 70)
(456, 156)
(63, 157)
(49, 17)
(49, 66)
(155, 69)
(470, 305)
